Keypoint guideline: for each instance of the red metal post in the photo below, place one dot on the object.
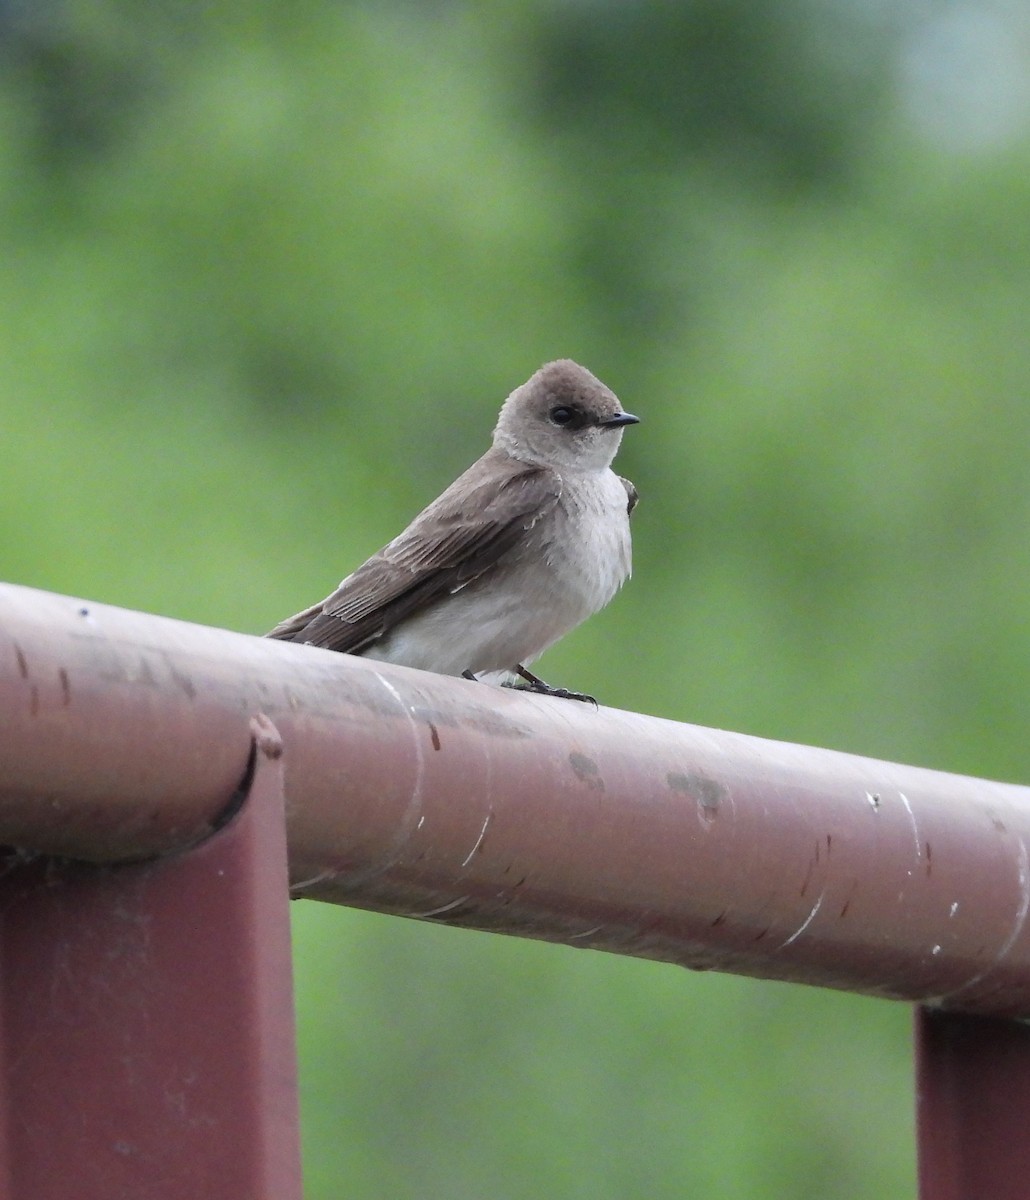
(973, 1107)
(146, 1019)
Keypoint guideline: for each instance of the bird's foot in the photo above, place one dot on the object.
(533, 683)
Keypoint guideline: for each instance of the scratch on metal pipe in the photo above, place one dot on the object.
(805, 923)
(420, 760)
(413, 815)
(437, 912)
(915, 827)
(1017, 927)
(297, 888)
(1024, 903)
(586, 933)
(479, 840)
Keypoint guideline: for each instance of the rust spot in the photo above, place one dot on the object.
(587, 771)
(434, 735)
(23, 666)
(708, 793)
(66, 691)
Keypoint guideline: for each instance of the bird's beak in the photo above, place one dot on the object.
(620, 419)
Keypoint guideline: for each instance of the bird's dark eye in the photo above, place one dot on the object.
(562, 415)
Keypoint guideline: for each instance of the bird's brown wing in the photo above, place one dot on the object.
(461, 535)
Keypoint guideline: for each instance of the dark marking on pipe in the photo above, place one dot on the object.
(587, 771)
(808, 876)
(718, 920)
(66, 691)
(434, 735)
(34, 701)
(708, 793)
(23, 666)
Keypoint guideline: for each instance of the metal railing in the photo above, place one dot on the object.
(131, 738)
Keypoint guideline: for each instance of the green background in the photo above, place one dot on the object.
(249, 254)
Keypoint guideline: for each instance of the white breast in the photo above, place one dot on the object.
(587, 546)
(569, 565)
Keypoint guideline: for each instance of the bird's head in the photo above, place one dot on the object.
(562, 417)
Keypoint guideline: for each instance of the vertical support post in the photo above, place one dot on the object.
(973, 1106)
(147, 1042)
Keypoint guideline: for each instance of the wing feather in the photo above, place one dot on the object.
(463, 534)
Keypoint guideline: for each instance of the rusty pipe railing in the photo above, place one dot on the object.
(127, 735)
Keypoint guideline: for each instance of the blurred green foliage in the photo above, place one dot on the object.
(249, 256)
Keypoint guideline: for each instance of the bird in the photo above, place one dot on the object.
(522, 547)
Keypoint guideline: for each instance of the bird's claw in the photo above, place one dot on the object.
(533, 683)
